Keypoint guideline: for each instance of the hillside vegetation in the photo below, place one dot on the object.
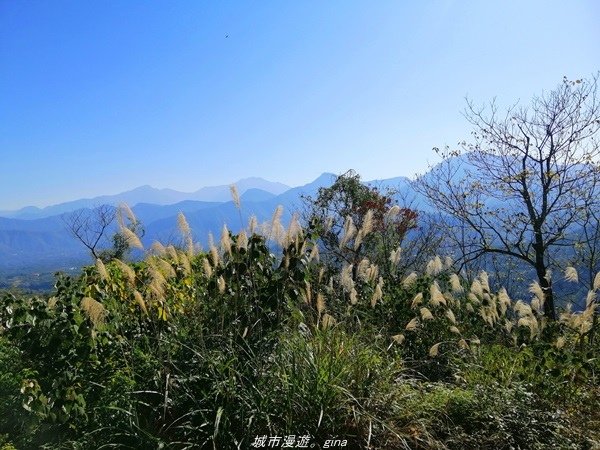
(264, 334)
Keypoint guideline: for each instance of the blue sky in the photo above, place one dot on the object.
(98, 97)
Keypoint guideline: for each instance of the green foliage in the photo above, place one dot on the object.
(208, 350)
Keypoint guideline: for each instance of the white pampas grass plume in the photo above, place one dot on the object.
(207, 267)
(353, 296)
(412, 325)
(235, 195)
(378, 294)
(477, 288)
(101, 269)
(346, 278)
(455, 284)
(469, 307)
(560, 342)
(395, 256)
(294, 230)
(157, 248)
(307, 292)
(590, 298)
(140, 301)
(214, 253)
(434, 350)
(349, 231)
(426, 314)
(327, 321)
(522, 309)
(367, 225)
(182, 224)
(571, 274)
(185, 264)
(473, 298)
(225, 240)
(52, 302)
(172, 252)
(221, 284)
(132, 239)
(454, 330)
(242, 240)
(537, 290)
(417, 300)
(253, 224)
(503, 300)
(165, 268)
(123, 210)
(398, 338)
(450, 315)
(463, 344)
(363, 269)
(410, 280)
(358, 240)
(434, 266)
(448, 262)
(391, 214)
(126, 270)
(320, 303)
(320, 276)
(596, 285)
(436, 296)
(94, 310)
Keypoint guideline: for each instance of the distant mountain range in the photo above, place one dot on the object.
(148, 194)
(36, 240)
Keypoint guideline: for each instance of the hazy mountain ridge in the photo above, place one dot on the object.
(36, 244)
(151, 195)
(44, 244)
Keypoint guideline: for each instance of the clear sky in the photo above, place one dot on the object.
(98, 97)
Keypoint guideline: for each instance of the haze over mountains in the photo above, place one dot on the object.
(148, 194)
(36, 240)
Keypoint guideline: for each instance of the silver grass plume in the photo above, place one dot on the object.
(126, 270)
(214, 253)
(455, 284)
(101, 269)
(426, 314)
(94, 310)
(378, 294)
(140, 301)
(235, 195)
(596, 285)
(417, 300)
(242, 240)
(225, 240)
(252, 225)
(571, 274)
(157, 248)
(391, 214)
(409, 280)
(349, 231)
(132, 239)
(434, 266)
(412, 325)
(221, 284)
(172, 253)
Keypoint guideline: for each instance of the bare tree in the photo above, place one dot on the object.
(91, 226)
(95, 230)
(525, 180)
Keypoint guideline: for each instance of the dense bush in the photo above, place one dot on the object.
(210, 350)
